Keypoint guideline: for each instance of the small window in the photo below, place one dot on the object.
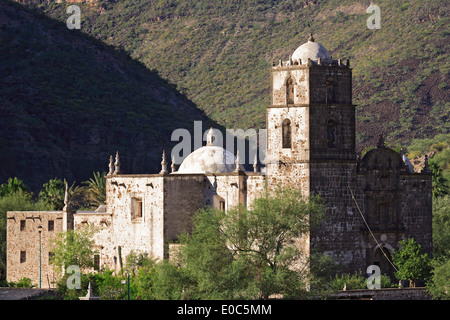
(136, 208)
(290, 91)
(51, 225)
(23, 256)
(222, 205)
(23, 225)
(287, 133)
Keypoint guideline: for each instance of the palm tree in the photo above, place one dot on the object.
(11, 186)
(96, 189)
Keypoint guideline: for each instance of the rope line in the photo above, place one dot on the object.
(373, 236)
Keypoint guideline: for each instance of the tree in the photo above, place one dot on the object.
(439, 285)
(74, 247)
(250, 253)
(96, 189)
(11, 186)
(412, 264)
(439, 183)
(53, 193)
(441, 226)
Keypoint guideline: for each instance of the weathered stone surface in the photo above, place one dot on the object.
(310, 146)
(23, 245)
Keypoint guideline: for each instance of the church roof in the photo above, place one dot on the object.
(208, 159)
(211, 158)
(311, 50)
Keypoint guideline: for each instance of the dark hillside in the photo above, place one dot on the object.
(67, 102)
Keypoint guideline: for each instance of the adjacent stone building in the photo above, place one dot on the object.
(372, 202)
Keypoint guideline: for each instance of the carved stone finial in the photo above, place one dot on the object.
(163, 163)
(173, 165)
(380, 143)
(111, 165)
(237, 162)
(66, 195)
(426, 168)
(117, 164)
(255, 164)
(210, 138)
(66, 198)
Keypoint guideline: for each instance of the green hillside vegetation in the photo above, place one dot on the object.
(439, 150)
(219, 53)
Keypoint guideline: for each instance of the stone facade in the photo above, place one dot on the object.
(310, 145)
(25, 249)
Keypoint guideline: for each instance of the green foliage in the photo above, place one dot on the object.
(109, 286)
(74, 247)
(248, 253)
(350, 281)
(412, 264)
(172, 282)
(199, 46)
(52, 193)
(11, 186)
(95, 189)
(439, 285)
(356, 281)
(386, 282)
(24, 283)
(439, 183)
(74, 294)
(441, 227)
(419, 147)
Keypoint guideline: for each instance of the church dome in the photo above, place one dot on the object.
(209, 159)
(311, 50)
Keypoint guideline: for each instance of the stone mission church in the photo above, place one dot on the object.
(372, 202)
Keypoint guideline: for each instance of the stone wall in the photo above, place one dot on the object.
(101, 222)
(288, 166)
(330, 84)
(26, 264)
(332, 132)
(299, 75)
(183, 196)
(396, 205)
(416, 207)
(339, 234)
(130, 232)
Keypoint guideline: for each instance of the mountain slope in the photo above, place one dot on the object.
(219, 53)
(67, 102)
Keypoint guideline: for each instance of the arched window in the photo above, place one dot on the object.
(290, 90)
(331, 133)
(287, 133)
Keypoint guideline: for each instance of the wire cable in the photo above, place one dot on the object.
(373, 236)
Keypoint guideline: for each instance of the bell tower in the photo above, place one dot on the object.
(311, 118)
